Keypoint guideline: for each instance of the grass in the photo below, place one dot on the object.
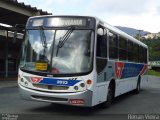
(154, 73)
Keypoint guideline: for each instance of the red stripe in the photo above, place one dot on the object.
(144, 69)
(36, 79)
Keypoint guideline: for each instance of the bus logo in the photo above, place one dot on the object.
(36, 79)
(118, 69)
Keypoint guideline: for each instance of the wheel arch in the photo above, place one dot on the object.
(113, 84)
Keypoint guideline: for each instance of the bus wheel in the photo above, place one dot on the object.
(110, 96)
(138, 88)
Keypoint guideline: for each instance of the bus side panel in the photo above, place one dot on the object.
(100, 93)
(125, 85)
(127, 75)
(144, 79)
(102, 83)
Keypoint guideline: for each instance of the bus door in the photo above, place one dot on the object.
(101, 65)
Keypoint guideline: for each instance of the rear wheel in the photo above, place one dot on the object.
(138, 88)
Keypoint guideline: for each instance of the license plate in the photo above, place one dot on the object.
(41, 66)
(77, 101)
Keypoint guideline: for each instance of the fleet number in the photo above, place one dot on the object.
(62, 82)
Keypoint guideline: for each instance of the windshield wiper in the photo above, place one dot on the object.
(63, 39)
(43, 39)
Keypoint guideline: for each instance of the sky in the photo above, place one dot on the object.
(138, 14)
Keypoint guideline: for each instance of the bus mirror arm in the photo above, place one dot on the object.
(17, 28)
(15, 36)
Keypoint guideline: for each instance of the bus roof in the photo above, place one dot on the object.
(108, 26)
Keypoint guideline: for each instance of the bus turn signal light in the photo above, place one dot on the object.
(89, 82)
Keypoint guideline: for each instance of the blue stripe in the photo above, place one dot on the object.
(59, 82)
(131, 70)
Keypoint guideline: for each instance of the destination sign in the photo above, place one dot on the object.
(66, 22)
(37, 22)
(81, 22)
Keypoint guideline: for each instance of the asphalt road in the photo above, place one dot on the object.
(146, 102)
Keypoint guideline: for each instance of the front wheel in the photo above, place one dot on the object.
(110, 97)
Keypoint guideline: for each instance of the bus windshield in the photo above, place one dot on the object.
(57, 51)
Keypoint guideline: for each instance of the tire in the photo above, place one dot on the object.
(138, 88)
(110, 96)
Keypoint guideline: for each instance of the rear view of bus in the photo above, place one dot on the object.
(57, 60)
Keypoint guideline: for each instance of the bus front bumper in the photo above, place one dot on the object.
(76, 99)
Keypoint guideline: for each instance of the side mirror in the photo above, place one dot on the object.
(17, 28)
(100, 31)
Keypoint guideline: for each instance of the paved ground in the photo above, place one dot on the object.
(7, 83)
(147, 102)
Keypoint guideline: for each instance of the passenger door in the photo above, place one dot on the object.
(101, 64)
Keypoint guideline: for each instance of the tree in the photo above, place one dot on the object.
(153, 48)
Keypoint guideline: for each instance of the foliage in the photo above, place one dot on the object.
(154, 73)
(154, 48)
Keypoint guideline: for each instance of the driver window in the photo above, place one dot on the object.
(101, 42)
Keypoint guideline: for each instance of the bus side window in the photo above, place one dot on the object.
(113, 46)
(123, 55)
(130, 51)
(101, 43)
(145, 55)
(136, 53)
(141, 54)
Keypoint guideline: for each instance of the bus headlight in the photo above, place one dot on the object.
(26, 83)
(76, 87)
(82, 85)
(22, 80)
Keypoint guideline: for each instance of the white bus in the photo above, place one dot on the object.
(79, 60)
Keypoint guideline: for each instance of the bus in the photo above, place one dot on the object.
(79, 61)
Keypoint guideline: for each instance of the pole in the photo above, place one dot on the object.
(7, 55)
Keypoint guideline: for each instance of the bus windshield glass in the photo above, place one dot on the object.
(57, 51)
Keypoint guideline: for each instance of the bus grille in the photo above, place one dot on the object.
(51, 87)
(48, 98)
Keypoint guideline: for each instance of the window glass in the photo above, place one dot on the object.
(113, 46)
(102, 43)
(130, 51)
(144, 56)
(141, 54)
(136, 52)
(101, 63)
(51, 51)
(122, 49)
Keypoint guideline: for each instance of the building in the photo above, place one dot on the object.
(12, 12)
